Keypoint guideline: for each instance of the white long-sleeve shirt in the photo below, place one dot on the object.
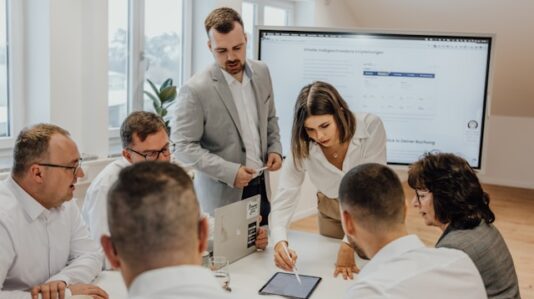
(405, 268)
(367, 145)
(94, 208)
(245, 100)
(39, 245)
(184, 282)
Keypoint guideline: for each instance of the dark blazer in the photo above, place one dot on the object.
(208, 136)
(486, 247)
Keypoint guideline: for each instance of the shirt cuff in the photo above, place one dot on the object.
(278, 234)
(68, 293)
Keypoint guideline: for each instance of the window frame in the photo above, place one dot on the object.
(15, 76)
(259, 10)
(137, 61)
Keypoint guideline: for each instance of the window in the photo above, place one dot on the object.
(4, 78)
(117, 62)
(265, 12)
(144, 42)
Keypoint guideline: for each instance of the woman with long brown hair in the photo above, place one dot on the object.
(327, 141)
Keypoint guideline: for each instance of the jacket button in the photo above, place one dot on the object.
(243, 149)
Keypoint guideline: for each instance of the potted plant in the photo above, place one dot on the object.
(162, 98)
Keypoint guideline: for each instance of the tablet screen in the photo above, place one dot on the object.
(287, 285)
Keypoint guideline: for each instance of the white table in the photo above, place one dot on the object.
(316, 256)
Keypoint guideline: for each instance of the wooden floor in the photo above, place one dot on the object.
(514, 211)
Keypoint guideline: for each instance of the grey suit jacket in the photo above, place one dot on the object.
(207, 132)
(486, 247)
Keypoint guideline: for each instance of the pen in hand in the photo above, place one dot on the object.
(294, 266)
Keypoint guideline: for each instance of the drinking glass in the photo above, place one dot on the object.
(219, 266)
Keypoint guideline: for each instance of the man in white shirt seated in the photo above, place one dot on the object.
(158, 234)
(45, 248)
(373, 211)
(144, 137)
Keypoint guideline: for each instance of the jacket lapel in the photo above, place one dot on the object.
(226, 96)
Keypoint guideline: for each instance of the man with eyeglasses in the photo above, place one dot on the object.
(45, 248)
(144, 137)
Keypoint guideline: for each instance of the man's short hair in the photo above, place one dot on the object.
(142, 123)
(32, 145)
(372, 193)
(222, 19)
(152, 211)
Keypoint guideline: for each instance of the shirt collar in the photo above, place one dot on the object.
(29, 204)
(361, 129)
(392, 250)
(247, 74)
(176, 277)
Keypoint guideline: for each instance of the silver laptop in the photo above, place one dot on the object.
(235, 229)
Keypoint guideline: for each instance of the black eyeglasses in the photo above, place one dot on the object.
(75, 168)
(154, 155)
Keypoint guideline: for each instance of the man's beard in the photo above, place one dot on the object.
(234, 67)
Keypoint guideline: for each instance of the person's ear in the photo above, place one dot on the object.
(209, 45)
(127, 155)
(110, 251)
(36, 173)
(347, 223)
(203, 234)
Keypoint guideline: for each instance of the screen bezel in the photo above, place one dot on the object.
(261, 292)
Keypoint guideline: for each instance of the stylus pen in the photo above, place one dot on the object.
(262, 169)
(294, 267)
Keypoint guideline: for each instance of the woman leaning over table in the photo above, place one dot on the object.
(449, 196)
(327, 141)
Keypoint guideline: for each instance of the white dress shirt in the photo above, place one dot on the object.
(39, 245)
(184, 282)
(405, 268)
(367, 145)
(94, 208)
(245, 102)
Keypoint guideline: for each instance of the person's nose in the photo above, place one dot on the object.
(415, 201)
(80, 173)
(320, 136)
(231, 55)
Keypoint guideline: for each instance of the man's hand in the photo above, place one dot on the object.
(262, 239)
(345, 264)
(88, 289)
(281, 260)
(274, 162)
(50, 290)
(243, 177)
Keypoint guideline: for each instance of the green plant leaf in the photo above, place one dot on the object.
(157, 108)
(168, 94)
(166, 83)
(155, 100)
(163, 112)
(156, 91)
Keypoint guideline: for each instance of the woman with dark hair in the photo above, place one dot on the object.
(449, 195)
(327, 141)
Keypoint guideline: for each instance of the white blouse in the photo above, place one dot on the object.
(367, 145)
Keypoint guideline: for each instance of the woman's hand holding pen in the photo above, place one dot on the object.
(281, 259)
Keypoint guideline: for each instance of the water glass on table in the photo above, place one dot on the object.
(219, 265)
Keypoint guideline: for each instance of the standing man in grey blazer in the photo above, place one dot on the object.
(225, 123)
